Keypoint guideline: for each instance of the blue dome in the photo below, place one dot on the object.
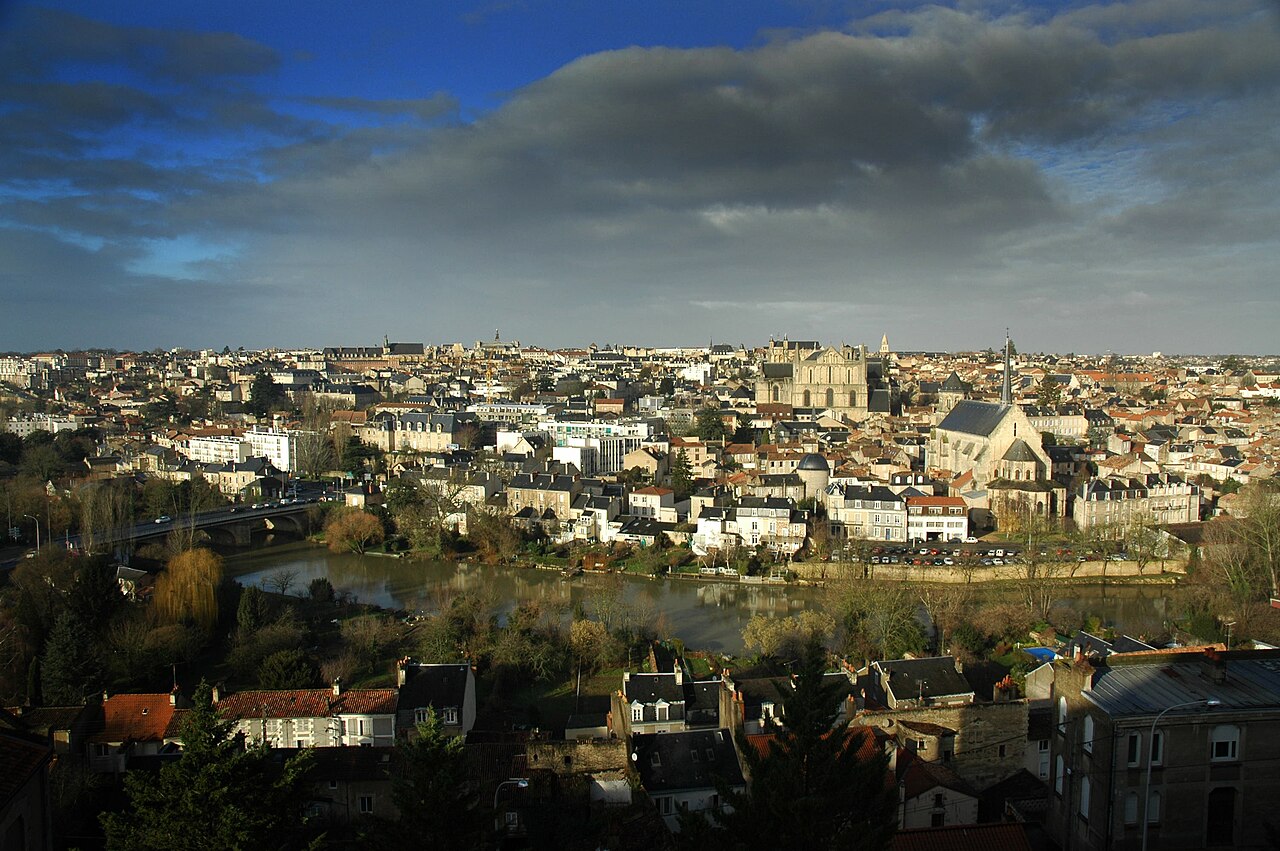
(814, 461)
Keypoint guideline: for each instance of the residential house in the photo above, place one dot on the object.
(448, 689)
(313, 717)
(1202, 723)
(132, 725)
(684, 771)
(937, 518)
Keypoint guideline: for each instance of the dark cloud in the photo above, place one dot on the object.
(936, 172)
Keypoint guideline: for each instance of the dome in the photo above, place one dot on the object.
(814, 461)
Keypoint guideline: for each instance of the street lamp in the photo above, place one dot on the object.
(518, 782)
(504, 823)
(1151, 739)
(37, 522)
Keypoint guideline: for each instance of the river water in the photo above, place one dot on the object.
(704, 615)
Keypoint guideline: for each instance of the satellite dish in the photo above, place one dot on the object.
(635, 757)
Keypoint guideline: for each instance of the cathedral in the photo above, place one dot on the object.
(844, 382)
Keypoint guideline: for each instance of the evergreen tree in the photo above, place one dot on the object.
(70, 669)
(253, 613)
(681, 476)
(219, 795)
(819, 785)
(709, 425)
(437, 803)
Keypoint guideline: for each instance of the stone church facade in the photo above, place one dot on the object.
(809, 375)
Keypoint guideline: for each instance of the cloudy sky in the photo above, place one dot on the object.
(1093, 176)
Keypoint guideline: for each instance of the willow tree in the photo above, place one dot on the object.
(187, 590)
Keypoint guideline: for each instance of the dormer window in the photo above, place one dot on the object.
(637, 712)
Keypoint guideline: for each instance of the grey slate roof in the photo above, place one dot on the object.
(694, 759)
(973, 417)
(1144, 689)
(1019, 451)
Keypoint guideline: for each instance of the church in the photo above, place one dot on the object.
(993, 446)
(845, 382)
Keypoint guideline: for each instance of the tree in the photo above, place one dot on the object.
(220, 794)
(709, 425)
(264, 395)
(1049, 393)
(186, 591)
(681, 476)
(288, 669)
(353, 530)
(69, 668)
(433, 791)
(321, 590)
(253, 612)
(818, 785)
(879, 619)
(787, 638)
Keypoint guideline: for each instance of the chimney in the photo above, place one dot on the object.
(105, 695)
(173, 696)
(401, 674)
(214, 695)
(337, 686)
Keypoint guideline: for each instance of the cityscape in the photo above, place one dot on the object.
(642, 425)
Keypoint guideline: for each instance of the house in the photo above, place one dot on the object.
(937, 518)
(935, 681)
(933, 795)
(348, 784)
(132, 725)
(25, 802)
(313, 717)
(681, 771)
(1201, 722)
(973, 837)
(449, 689)
(650, 703)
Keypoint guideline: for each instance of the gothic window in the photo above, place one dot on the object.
(776, 393)
(807, 402)
(831, 398)
(853, 399)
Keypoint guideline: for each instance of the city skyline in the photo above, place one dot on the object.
(1102, 176)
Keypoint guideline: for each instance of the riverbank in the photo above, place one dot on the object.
(1090, 572)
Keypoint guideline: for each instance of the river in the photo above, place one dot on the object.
(704, 615)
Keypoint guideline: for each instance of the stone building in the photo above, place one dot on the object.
(1120, 501)
(1214, 757)
(844, 381)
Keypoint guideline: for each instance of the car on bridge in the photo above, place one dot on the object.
(164, 518)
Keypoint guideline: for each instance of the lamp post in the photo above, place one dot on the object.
(517, 782)
(37, 522)
(1151, 739)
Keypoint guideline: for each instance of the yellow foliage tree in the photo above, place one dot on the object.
(353, 530)
(187, 591)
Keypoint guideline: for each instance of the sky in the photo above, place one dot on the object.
(1092, 176)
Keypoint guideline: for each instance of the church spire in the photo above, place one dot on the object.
(1006, 392)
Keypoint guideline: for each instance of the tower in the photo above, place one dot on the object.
(1006, 390)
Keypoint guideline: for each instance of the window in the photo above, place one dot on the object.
(1131, 808)
(637, 713)
(1062, 716)
(664, 805)
(1157, 748)
(1058, 771)
(451, 715)
(1224, 743)
(1003, 751)
(333, 784)
(938, 819)
(938, 799)
(1134, 749)
(420, 715)
(1087, 744)
(366, 804)
(1153, 807)
(1220, 821)
(1084, 798)
(662, 712)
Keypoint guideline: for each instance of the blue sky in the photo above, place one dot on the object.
(1094, 176)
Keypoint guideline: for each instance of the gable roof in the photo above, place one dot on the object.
(307, 703)
(973, 417)
(134, 717)
(693, 759)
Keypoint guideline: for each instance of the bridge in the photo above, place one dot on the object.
(232, 526)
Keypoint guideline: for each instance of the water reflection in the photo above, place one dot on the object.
(704, 615)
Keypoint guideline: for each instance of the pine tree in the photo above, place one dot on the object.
(69, 669)
(219, 795)
(816, 787)
(437, 803)
(681, 475)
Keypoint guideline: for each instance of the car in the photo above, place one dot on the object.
(257, 505)
(948, 561)
(1000, 552)
(286, 501)
(1081, 559)
(1118, 556)
(997, 560)
(971, 540)
(164, 518)
(233, 509)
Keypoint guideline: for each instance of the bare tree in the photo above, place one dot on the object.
(281, 580)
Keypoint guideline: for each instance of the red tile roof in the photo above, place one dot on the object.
(967, 837)
(134, 717)
(307, 703)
